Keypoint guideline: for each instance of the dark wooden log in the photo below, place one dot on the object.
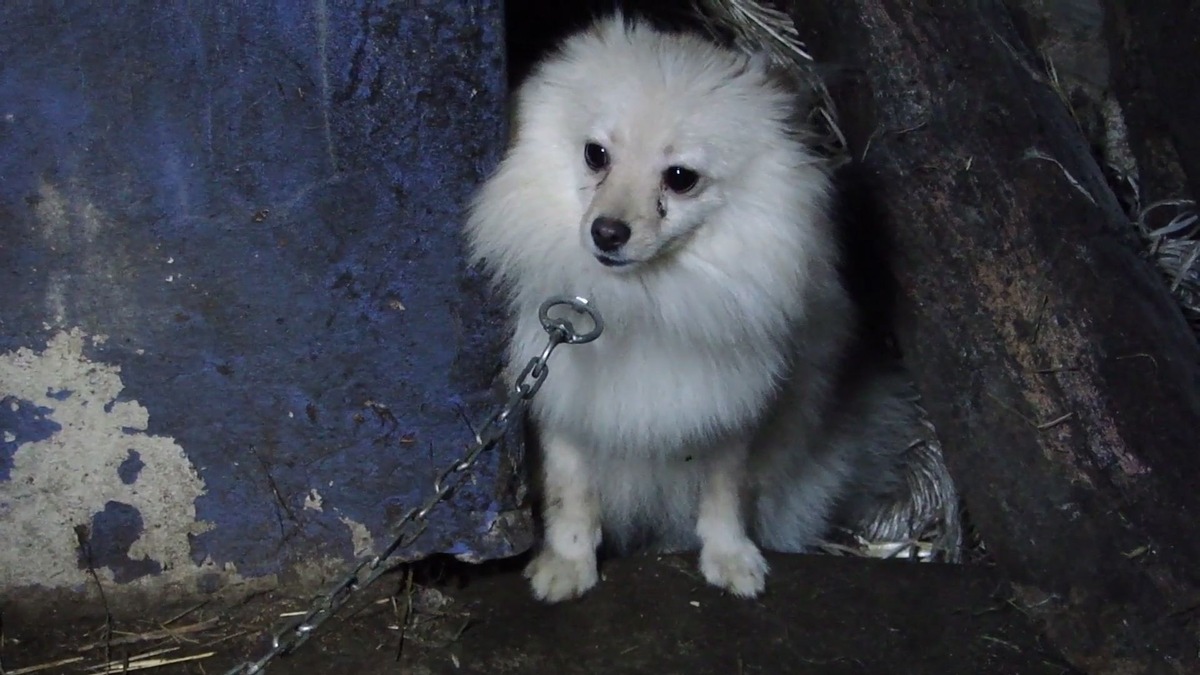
(1155, 50)
(1062, 377)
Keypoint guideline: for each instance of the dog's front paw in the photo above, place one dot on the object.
(555, 578)
(739, 569)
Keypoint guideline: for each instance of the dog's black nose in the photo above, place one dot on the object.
(609, 233)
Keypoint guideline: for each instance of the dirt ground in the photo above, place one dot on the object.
(821, 614)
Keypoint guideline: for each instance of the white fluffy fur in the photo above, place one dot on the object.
(710, 412)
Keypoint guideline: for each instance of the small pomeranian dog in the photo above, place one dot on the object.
(726, 407)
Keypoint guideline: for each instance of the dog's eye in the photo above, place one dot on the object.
(680, 179)
(596, 156)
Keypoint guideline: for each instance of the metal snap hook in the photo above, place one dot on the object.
(565, 326)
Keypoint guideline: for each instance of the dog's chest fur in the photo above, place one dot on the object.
(651, 393)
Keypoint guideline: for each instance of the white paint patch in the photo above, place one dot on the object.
(313, 501)
(62, 481)
(360, 536)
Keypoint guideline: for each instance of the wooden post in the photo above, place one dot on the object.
(1062, 377)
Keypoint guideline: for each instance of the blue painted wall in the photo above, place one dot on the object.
(241, 219)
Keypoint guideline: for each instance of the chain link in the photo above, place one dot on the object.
(414, 523)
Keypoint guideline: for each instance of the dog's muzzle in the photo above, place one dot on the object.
(610, 234)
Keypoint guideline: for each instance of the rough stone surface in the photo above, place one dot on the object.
(236, 335)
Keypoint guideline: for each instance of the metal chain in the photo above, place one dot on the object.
(413, 523)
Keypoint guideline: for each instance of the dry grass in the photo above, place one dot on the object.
(1175, 249)
(415, 617)
(159, 645)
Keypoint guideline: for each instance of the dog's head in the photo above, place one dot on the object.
(643, 190)
(658, 131)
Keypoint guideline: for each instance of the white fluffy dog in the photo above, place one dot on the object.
(664, 178)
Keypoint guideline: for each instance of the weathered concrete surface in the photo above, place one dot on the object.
(820, 615)
(235, 330)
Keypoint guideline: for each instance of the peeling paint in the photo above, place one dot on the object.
(109, 541)
(313, 501)
(131, 467)
(22, 422)
(72, 476)
(360, 536)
